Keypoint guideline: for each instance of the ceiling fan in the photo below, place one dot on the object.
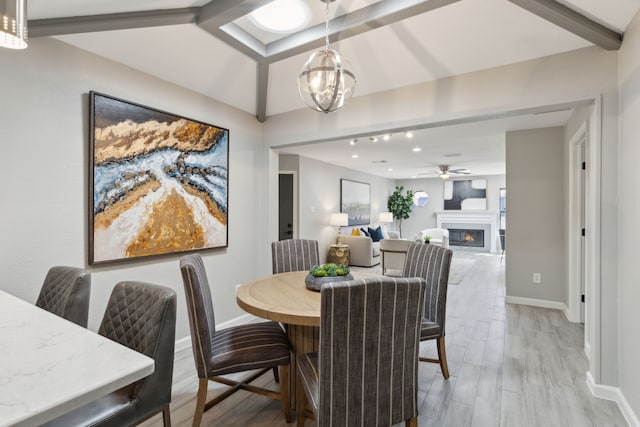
(444, 171)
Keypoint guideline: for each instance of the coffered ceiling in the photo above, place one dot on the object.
(211, 47)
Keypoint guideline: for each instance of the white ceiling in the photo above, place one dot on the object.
(461, 37)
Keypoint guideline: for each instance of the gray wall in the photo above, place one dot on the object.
(629, 211)
(44, 173)
(319, 197)
(536, 214)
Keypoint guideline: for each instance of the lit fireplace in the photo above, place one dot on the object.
(466, 237)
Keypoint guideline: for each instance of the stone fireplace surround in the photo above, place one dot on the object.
(475, 220)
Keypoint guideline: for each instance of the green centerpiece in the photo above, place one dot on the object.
(326, 273)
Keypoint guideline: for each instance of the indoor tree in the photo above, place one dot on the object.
(400, 205)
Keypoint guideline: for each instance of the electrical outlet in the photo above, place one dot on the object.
(537, 278)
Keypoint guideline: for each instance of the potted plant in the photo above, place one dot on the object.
(400, 205)
(427, 239)
(326, 273)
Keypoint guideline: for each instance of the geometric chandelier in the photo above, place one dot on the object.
(13, 24)
(326, 82)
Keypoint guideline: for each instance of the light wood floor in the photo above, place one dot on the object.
(510, 366)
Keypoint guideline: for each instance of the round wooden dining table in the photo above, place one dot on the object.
(284, 298)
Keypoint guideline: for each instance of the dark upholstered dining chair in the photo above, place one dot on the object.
(294, 255)
(65, 292)
(432, 262)
(262, 346)
(142, 317)
(365, 372)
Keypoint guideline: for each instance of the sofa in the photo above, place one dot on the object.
(363, 252)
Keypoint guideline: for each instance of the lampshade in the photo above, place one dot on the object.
(326, 81)
(386, 217)
(13, 28)
(339, 219)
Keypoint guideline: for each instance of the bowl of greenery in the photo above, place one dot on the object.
(326, 273)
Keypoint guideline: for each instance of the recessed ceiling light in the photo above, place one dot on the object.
(390, 169)
(373, 139)
(414, 177)
(387, 137)
(353, 141)
(355, 156)
(281, 16)
(416, 149)
(409, 134)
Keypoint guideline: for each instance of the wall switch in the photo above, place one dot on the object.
(536, 278)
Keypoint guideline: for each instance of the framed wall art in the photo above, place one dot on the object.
(158, 182)
(467, 194)
(355, 201)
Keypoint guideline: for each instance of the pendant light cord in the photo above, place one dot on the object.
(326, 27)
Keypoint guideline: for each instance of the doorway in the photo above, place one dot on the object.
(287, 205)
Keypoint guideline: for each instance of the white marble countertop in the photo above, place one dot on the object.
(49, 366)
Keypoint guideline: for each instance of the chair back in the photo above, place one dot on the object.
(393, 253)
(142, 317)
(294, 255)
(368, 356)
(66, 292)
(202, 321)
(432, 263)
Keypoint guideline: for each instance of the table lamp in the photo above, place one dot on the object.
(386, 217)
(340, 220)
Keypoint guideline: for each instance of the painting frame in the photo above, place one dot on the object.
(465, 194)
(355, 201)
(158, 182)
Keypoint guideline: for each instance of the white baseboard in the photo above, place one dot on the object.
(183, 345)
(614, 394)
(538, 303)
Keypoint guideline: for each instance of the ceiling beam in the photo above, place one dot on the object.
(217, 13)
(573, 22)
(377, 15)
(262, 87)
(111, 21)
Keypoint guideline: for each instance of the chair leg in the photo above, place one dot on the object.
(442, 355)
(412, 422)
(284, 392)
(275, 374)
(203, 386)
(302, 404)
(166, 416)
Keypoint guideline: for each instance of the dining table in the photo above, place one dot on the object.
(50, 366)
(285, 298)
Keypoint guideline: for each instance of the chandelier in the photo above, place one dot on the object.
(326, 81)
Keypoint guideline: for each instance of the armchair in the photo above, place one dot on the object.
(438, 236)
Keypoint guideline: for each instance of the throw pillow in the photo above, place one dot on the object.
(365, 232)
(376, 234)
(355, 232)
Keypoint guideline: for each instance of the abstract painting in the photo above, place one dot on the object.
(158, 182)
(469, 194)
(355, 201)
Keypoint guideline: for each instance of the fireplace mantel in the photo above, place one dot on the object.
(472, 217)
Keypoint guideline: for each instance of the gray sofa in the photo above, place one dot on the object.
(363, 251)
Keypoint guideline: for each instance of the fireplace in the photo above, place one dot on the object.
(471, 220)
(466, 237)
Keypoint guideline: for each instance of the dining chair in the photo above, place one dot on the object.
(256, 346)
(432, 263)
(365, 372)
(294, 255)
(65, 292)
(142, 317)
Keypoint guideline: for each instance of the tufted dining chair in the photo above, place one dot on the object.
(365, 372)
(432, 263)
(255, 346)
(294, 255)
(142, 317)
(65, 292)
